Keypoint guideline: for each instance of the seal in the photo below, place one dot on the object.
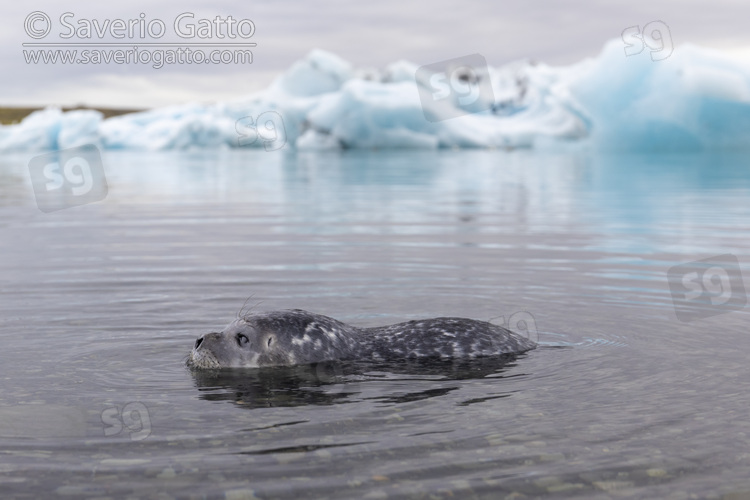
(295, 337)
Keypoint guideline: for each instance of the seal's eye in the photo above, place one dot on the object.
(269, 341)
(241, 339)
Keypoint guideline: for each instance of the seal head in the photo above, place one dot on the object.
(280, 338)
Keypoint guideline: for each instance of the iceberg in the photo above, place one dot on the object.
(693, 100)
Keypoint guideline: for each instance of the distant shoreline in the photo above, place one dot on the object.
(10, 114)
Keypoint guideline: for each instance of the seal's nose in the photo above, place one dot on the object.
(199, 341)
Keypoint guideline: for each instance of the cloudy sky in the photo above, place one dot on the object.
(370, 34)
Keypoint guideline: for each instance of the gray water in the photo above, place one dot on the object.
(102, 302)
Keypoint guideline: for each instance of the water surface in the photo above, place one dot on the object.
(102, 302)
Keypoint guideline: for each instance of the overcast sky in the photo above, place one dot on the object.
(371, 34)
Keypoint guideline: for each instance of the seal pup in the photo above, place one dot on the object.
(294, 337)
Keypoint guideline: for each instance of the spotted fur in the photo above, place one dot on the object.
(283, 338)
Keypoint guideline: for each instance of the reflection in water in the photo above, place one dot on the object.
(483, 191)
(336, 382)
(279, 386)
